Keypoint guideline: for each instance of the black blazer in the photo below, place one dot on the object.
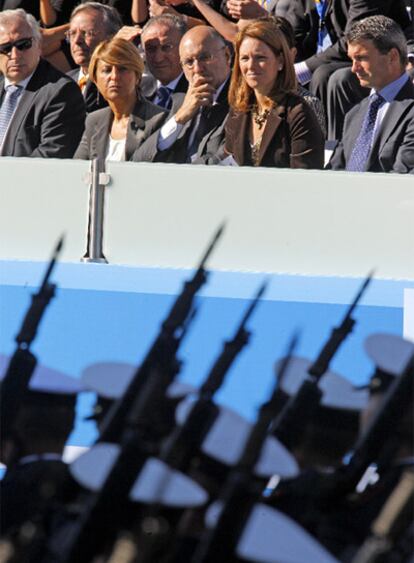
(144, 120)
(292, 137)
(393, 148)
(49, 119)
(93, 99)
(177, 153)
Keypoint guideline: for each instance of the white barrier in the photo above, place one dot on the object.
(41, 199)
(302, 222)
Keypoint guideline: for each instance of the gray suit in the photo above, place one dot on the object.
(144, 120)
(209, 145)
(393, 148)
(49, 119)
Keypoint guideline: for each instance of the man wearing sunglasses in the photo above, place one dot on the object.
(195, 128)
(42, 111)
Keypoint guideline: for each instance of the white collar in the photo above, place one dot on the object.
(171, 85)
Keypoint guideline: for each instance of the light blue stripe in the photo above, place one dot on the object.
(282, 287)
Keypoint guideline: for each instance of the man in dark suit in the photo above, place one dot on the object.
(160, 39)
(90, 23)
(322, 51)
(378, 132)
(195, 129)
(42, 112)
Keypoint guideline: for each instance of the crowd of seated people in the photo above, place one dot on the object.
(237, 82)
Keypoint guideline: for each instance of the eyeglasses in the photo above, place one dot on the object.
(203, 58)
(21, 44)
(166, 48)
(85, 34)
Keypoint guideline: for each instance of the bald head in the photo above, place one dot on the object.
(203, 52)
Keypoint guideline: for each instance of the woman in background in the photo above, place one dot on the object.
(269, 124)
(115, 132)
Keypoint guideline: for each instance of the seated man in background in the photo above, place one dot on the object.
(90, 23)
(378, 132)
(42, 111)
(160, 39)
(196, 126)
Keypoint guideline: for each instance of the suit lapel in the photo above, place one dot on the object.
(391, 120)
(1, 89)
(100, 137)
(136, 127)
(237, 124)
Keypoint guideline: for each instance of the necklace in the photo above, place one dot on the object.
(260, 118)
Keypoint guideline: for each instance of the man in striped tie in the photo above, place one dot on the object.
(41, 110)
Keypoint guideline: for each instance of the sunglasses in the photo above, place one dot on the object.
(21, 44)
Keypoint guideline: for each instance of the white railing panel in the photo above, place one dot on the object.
(304, 222)
(39, 200)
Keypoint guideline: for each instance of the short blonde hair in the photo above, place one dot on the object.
(118, 52)
(241, 96)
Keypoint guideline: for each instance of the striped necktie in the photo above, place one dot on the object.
(164, 96)
(362, 148)
(7, 108)
(82, 82)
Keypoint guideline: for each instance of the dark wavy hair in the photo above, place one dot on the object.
(241, 96)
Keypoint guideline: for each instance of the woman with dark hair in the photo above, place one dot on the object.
(115, 132)
(269, 124)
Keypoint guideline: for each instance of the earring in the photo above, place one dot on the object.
(280, 67)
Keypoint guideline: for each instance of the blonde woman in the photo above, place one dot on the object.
(115, 132)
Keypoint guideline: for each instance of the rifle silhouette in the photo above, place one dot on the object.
(104, 512)
(23, 362)
(241, 490)
(161, 358)
(300, 408)
(185, 441)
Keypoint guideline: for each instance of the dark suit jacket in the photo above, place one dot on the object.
(292, 137)
(393, 148)
(340, 15)
(144, 120)
(177, 153)
(49, 119)
(91, 95)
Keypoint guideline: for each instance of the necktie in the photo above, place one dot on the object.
(164, 95)
(7, 108)
(199, 129)
(363, 144)
(321, 7)
(82, 82)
